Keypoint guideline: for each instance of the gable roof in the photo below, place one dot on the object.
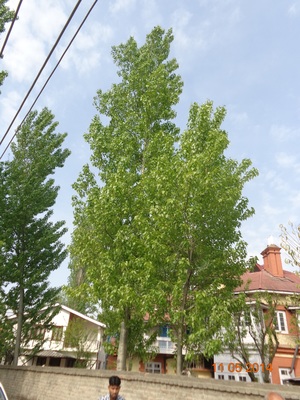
(85, 317)
(270, 276)
(262, 280)
(71, 311)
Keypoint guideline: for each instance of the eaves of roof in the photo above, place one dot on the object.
(54, 354)
(262, 280)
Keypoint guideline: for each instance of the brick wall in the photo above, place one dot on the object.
(52, 383)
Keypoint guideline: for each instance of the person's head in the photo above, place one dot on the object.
(273, 396)
(114, 386)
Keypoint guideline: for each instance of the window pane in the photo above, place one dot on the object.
(154, 368)
(275, 322)
(281, 319)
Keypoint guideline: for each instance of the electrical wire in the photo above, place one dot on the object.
(10, 28)
(50, 76)
(41, 70)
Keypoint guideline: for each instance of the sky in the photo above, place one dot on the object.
(243, 55)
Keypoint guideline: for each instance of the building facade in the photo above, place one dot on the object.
(283, 286)
(74, 340)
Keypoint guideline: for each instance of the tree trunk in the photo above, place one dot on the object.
(122, 350)
(179, 352)
(19, 328)
(266, 376)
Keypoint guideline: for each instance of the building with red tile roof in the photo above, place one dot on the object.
(270, 276)
(285, 285)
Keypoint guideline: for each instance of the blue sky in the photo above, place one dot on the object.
(243, 55)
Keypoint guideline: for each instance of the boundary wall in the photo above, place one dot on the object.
(52, 383)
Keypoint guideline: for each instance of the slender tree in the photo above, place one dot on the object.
(158, 230)
(252, 332)
(197, 229)
(31, 246)
(108, 239)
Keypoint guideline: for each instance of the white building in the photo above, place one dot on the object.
(74, 340)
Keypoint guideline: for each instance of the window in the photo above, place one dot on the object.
(221, 377)
(242, 379)
(153, 368)
(54, 362)
(284, 373)
(231, 377)
(41, 361)
(164, 331)
(280, 322)
(57, 333)
(37, 332)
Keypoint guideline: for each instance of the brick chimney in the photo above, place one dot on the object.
(272, 260)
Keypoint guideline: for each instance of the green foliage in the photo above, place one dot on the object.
(31, 247)
(80, 300)
(80, 337)
(203, 212)
(252, 330)
(108, 240)
(157, 230)
(5, 16)
(7, 337)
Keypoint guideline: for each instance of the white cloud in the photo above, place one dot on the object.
(295, 201)
(238, 118)
(272, 179)
(291, 164)
(85, 52)
(271, 211)
(185, 38)
(293, 9)
(121, 5)
(286, 160)
(32, 37)
(284, 133)
(151, 14)
(23, 62)
(9, 104)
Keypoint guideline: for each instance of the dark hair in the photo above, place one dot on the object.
(114, 381)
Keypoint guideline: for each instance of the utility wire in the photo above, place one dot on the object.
(50, 76)
(10, 28)
(41, 70)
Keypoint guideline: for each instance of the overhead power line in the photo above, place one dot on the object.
(38, 75)
(51, 74)
(41, 69)
(10, 28)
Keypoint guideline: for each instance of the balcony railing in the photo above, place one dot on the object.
(164, 345)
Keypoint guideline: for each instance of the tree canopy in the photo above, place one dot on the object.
(158, 212)
(30, 240)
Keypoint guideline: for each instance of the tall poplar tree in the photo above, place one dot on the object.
(31, 247)
(108, 240)
(197, 210)
(158, 230)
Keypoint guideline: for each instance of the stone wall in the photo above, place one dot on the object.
(52, 383)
